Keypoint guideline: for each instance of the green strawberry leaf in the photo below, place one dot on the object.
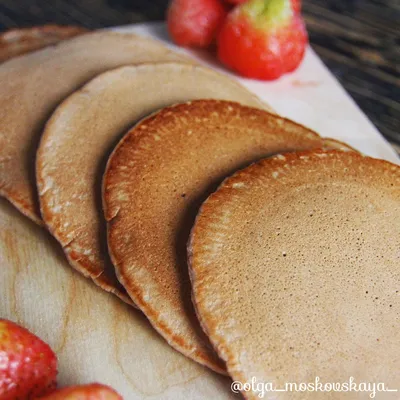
(268, 15)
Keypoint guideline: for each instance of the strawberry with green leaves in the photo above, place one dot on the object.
(94, 391)
(28, 366)
(263, 39)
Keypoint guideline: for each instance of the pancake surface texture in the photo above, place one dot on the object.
(295, 268)
(156, 179)
(80, 135)
(16, 42)
(34, 84)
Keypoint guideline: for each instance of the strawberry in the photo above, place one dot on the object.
(296, 5)
(28, 366)
(94, 391)
(235, 1)
(195, 23)
(263, 39)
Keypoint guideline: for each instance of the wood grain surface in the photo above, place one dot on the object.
(96, 336)
(357, 39)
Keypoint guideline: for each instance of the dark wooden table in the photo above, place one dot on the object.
(359, 40)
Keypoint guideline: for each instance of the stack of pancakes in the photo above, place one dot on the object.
(293, 263)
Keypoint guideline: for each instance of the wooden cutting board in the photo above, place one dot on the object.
(98, 338)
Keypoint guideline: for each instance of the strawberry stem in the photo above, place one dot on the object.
(268, 14)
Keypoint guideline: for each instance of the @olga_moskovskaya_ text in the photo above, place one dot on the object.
(351, 385)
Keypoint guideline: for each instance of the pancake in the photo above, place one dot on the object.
(16, 42)
(334, 144)
(294, 263)
(34, 84)
(80, 135)
(155, 180)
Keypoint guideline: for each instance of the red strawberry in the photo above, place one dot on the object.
(28, 366)
(263, 39)
(296, 5)
(235, 1)
(94, 391)
(195, 22)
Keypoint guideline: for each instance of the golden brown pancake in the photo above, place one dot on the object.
(80, 135)
(16, 42)
(295, 268)
(33, 85)
(334, 144)
(155, 180)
